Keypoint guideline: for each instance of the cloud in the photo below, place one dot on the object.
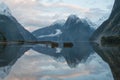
(109, 7)
(51, 1)
(41, 13)
(63, 5)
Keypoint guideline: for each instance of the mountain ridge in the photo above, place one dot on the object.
(109, 28)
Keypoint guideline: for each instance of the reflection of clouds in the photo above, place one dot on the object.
(35, 66)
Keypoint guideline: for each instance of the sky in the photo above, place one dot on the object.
(34, 14)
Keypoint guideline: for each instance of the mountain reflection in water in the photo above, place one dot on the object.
(61, 63)
(110, 52)
(9, 54)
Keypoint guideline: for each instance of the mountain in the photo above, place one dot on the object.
(76, 31)
(4, 10)
(56, 30)
(48, 33)
(109, 33)
(10, 29)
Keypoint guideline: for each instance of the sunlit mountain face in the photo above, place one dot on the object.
(59, 40)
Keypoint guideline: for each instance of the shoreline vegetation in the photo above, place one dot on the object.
(53, 44)
(110, 41)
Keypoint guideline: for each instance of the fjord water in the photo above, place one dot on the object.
(41, 62)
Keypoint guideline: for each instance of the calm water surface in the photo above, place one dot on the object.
(41, 62)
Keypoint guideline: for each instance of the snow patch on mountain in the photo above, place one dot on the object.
(58, 32)
(87, 20)
(4, 10)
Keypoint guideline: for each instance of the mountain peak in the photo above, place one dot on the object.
(74, 20)
(4, 10)
(73, 17)
(116, 9)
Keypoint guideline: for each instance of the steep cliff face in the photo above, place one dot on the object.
(111, 27)
(10, 29)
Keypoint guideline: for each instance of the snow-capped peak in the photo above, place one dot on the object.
(4, 10)
(102, 19)
(73, 17)
(87, 20)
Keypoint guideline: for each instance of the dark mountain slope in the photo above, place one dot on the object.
(104, 40)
